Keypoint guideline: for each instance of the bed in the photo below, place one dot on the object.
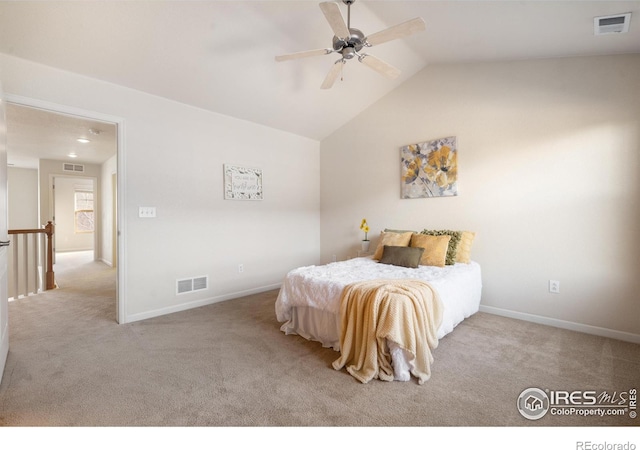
(308, 303)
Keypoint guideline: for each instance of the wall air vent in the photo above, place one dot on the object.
(192, 284)
(67, 167)
(618, 23)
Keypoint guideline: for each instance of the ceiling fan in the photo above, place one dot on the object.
(350, 41)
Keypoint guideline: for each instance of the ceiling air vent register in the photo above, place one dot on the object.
(615, 24)
(68, 167)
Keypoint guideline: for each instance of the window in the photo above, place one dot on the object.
(84, 212)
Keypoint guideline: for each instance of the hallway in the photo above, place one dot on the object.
(78, 274)
(86, 290)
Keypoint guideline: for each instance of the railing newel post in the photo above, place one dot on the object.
(49, 230)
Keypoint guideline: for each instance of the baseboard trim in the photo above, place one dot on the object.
(565, 324)
(107, 262)
(198, 303)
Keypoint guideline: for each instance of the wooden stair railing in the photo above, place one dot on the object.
(31, 259)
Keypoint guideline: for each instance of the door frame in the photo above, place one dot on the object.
(119, 232)
(52, 207)
(4, 225)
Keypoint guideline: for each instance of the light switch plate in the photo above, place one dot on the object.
(147, 212)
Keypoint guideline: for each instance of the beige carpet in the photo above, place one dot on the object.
(228, 364)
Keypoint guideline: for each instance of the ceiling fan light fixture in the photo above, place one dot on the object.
(349, 41)
(348, 52)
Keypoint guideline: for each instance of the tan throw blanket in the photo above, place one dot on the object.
(407, 312)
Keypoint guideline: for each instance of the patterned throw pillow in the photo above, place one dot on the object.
(389, 230)
(452, 251)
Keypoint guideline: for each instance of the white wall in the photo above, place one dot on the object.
(23, 198)
(173, 159)
(549, 178)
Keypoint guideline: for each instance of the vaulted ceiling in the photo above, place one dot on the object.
(219, 55)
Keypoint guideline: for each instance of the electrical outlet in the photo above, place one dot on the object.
(333, 258)
(240, 268)
(554, 286)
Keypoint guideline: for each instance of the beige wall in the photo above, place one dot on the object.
(549, 178)
(22, 190)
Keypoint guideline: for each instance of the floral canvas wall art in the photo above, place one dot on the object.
(430, 169)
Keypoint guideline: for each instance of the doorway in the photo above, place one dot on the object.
(96, 179)
(73, 213)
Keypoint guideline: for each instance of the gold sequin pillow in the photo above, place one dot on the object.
(435, 248)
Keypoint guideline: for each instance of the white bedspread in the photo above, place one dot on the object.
(318, 288)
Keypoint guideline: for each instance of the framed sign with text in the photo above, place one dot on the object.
(242, 183)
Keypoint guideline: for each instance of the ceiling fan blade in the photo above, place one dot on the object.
(379, 66)
(332, 13)
(318, 52)
(332, 76)
(397, 31)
